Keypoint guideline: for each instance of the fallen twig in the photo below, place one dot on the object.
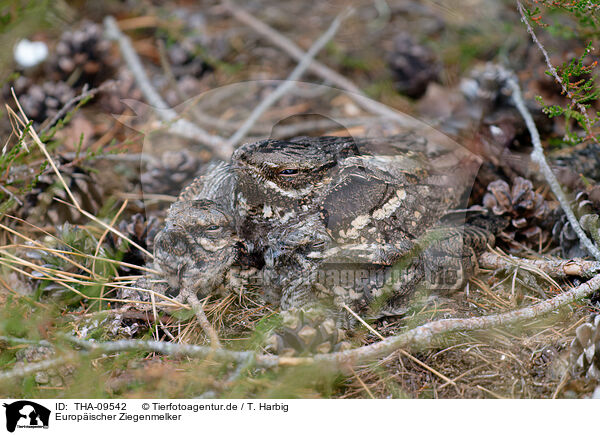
(289, 83)
(285, 130)
(402, 351)
(192, 299)
(31, 368)
(318, 68)
(289, 47)
(85, 93)
(537, 155)
(417, 338)
(181, 127)
(11, 195)
(557, 268)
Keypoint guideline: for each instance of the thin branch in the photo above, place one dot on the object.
(318, 68)
(192, 299)
(289, 83)
(417, 338)
(85, 93)
(537, 155)
(181, 127)
(289, 47)
(11, 195)
(581, 107)
(285, 130)
(422, 336)
(402, 351)
(170, 348)
(29, 369)
(557, 268)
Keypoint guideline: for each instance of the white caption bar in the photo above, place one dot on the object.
(244, 416)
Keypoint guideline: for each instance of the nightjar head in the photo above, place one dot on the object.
(196, 246)
(282, 170)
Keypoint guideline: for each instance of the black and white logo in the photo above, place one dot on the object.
(25, 414)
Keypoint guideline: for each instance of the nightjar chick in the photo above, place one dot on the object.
(196, 246)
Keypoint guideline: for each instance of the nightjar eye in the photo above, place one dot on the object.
(212, 228)
(288, 172)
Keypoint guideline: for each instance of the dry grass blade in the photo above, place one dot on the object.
(38, 245)
(64, 255)
(497, 396)
(362, 383)
(19, 295)
(24, 122)
(105, 233)
(402, 351)
(65, 278)
(418, 337)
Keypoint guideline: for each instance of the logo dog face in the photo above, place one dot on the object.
(33, 413)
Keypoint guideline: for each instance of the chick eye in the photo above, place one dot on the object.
(288, 171)
(212, 228)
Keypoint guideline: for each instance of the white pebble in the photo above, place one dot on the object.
(29, 53)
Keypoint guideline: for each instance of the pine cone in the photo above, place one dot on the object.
(140, 230)
(185, 57)
(124, 87)
(306, 331)
(54, 377)
(414, 66)
(574, 165)
(41, 102)
(171, 173)
(40, 206)
(188, 53)
(526, 208)
(562, 232)
(585, 350)
(83, 52)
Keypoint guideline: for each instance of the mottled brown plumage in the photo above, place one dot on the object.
(352, 222)
(196, 247)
